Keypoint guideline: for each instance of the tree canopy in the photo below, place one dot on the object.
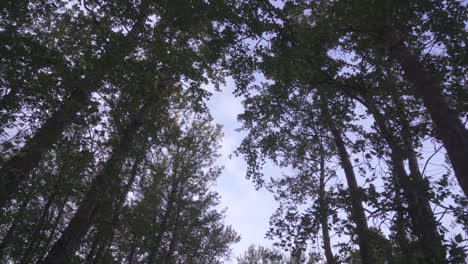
(109, 152)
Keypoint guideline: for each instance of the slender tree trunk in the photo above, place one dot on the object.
(422, 218)
(100, 194)
(172, 242)
(6, 241)
(324, 212)
(60, 211)
(34, 239)
(399, 226)
(357, 210)
(108, 259)
(119, 259)
(174, 235)
(432, 240)
(94, 245)
(164, 221)
(448, 126)
(326, 242)
(107, 233)
(428, 235)
(19, 166)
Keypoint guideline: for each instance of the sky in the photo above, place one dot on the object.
(248, 210)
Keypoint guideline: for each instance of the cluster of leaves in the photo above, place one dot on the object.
(261, 255)
(107, 147)
(342, 103)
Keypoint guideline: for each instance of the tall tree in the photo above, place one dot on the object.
(20, 165)
(415, 188)
(396, 27)
(262, 255)
(448, 126)
(357, 211)
(314, 43)
(272, 115)
(175, 220)
(101, 192)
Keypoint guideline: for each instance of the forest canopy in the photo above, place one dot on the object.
(109, 152)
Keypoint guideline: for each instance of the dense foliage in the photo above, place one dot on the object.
(108, 151)
(355, 94)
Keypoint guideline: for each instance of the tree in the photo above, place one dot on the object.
(108, 151)
(19, 166)
(297, 55)
(273, 114)
(121, 83)
(174, 218)
(261, 255)
(391, 27)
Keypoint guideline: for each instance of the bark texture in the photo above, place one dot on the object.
(163, 226)
(358, 215)
(448, 126)
(324, 214)
(415, 191)
(109, 227)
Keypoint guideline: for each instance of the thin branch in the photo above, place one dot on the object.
(429, 159)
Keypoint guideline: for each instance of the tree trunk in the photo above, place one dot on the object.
(93, 248)
(60, 211)
(172, 242)
(422, 218)
(358, 215)
(174, 235)
(448, 126)
(399, 225)
(324, 212)
(164, 222)
(34, 240)
(100, 194)
(431, 239)
(19, 166)
(108, 228)
(132, 252)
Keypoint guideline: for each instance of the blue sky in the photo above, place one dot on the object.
(249, 210)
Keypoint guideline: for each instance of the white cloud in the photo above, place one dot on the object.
(248, 210)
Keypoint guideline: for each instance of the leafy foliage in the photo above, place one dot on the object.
(108, 151)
